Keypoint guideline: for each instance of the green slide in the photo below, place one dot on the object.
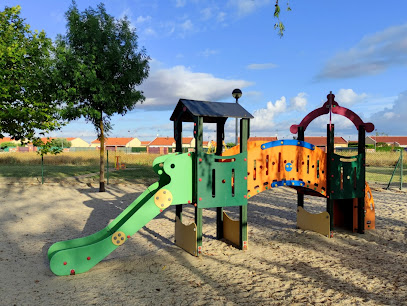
(174, 187)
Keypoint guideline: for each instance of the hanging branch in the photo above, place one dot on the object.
(279, 26)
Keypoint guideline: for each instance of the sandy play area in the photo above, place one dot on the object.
(283, 265)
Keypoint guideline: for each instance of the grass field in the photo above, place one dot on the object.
(380, 166)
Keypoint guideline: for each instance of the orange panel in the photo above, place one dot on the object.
(369, 209)
(285, 164)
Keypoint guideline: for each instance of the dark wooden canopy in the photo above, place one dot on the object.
(212, 112)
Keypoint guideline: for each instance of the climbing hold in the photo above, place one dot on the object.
(88, 258)
(163, 198)
(200, 199)
(65, 263)
(200, 179)
(72, 272)
(118, 238)
(200, 159)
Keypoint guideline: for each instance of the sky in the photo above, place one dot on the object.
(202, 50)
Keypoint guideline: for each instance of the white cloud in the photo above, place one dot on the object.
(389, 115)
(180, 3)
(126, 13)
(372, 55)
(299, 102)
(206, 13)
(165, 87)
(142, 19)
(208, 52)
(186, 26)
(392, 120)
(150, 32)
(246, 7)
(264, 117)
(221, 17)
(262, 66)
(348, 97)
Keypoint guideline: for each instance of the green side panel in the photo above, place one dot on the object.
(214, 180)
(347, 177)
(179, 168)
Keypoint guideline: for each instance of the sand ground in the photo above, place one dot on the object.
(283, 265)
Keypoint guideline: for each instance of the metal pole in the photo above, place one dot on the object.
(42, 169)
(107, 161)
(401, 168)
(236, 126)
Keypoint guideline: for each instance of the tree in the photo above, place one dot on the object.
(44, 148)
(26, 90)
(7, 144)
(61, 143)
(99, 68)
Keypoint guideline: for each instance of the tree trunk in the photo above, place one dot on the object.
(102, 157)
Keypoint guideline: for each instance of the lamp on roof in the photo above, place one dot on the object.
(236, 93)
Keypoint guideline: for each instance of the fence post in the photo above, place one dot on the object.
(42, 169)
(401, 168)
(107, 162)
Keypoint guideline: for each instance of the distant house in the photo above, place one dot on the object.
(161, 145)
(164, 145)
(188, 144)
(145, 143)
(397, 141)
(320, 142)
(77, 142)
(113, 143)
(258, 138)
(8, 139)
(265, 139)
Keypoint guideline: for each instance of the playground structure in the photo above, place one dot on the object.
(119, 165)
(230, 178)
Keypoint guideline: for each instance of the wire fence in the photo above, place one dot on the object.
(384, 169)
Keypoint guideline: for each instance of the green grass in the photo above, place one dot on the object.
(136, 175)
(51, 171)
(383, 174)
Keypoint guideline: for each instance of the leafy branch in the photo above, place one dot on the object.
(279, 26)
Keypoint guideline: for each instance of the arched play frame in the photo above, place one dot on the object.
(348, 196)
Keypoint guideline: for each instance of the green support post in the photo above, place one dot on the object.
(198, 222)
(244, 136)
(300, 196)
(107, 164)
(42, 169)
(401, 169)
(198, 131)
(330, 153)
(178, 148)
(361, 201)
(220, 135)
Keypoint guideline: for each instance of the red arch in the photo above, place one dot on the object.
(336, 109)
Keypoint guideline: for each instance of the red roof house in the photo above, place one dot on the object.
(398, 141)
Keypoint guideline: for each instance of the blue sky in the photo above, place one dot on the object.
(202, 50)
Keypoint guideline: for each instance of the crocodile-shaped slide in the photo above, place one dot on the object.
(174, 187)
